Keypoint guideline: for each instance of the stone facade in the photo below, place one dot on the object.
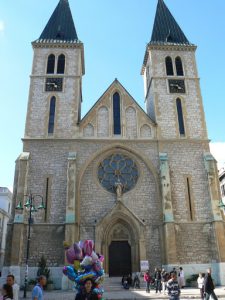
(169, 217)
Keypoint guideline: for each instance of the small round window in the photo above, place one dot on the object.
(115, 169)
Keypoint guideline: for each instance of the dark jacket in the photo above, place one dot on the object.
(85, 296)
(208, 284)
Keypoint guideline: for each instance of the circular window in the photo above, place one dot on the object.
(115, 170)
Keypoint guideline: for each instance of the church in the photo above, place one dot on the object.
(141, 183)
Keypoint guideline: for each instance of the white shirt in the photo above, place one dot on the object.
(16, 290)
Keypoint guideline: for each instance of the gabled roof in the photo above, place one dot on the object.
(165, 29)
(60, 26)
(116, 82)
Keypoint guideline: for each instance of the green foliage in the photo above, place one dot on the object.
(32, 281)
(192, 278)
(42, 268)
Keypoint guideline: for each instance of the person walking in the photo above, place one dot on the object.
(136, 281)
(209, 286)
(37, 292)
(200, 282)
(158, 278)
(164, 279)
(173, 288)
(10, 280)
(181, 279)
(7, 292)
(148, 280)
(87, 292)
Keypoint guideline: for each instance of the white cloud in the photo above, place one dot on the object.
(218, 151)
(2, 26)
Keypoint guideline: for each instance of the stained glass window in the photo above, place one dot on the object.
(118, 168)
(116, 113)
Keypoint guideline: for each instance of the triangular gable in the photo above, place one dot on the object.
(117, 86)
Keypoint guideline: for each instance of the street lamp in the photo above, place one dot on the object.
(221, 205)
(29, 205)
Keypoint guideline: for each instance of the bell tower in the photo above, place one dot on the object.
(172, 90)
(55, 96)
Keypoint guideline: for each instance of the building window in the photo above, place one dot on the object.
(180, 117)
(189, 199)
(223, 190)
(118, 169)
(179, 66)
(51, 64)
(51, 116)
(169, 66)
(116, 113)
(61, 64)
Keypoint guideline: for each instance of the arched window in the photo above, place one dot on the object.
(179, 66)
(61, 64)
(180, 117)
(51, 120)
(51, 64)
(169, 66)
(116, 113)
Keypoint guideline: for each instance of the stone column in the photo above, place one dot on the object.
(169, 227)
(71, 232)
(215, 197)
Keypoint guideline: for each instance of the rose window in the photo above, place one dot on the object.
(115, 170)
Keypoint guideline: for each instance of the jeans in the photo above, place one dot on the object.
(174, 297)
(211, 294)
(147, 287)
(158, 286)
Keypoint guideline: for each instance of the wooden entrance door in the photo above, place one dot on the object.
(119, 258)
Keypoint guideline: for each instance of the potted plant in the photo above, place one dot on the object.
(31, 284)
(44, 270)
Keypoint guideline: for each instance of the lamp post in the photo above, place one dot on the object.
(29, 205)
(222, 205)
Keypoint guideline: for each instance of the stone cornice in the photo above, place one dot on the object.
(122, 140)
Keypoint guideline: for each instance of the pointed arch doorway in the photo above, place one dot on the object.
(120, 238)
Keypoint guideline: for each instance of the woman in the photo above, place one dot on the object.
(87, 292)
(200, 281)
(7, 292)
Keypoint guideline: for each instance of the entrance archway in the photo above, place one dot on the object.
(119, 258)
(123, 228)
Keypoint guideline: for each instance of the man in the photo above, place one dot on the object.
(173, 288)
(158, 277)
(37, 292)
(164, 280)
(10, 280)
(87, 292)
(209, 286)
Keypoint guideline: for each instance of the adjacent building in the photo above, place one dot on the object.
(222, 186)
(141, 183)
(5, 211)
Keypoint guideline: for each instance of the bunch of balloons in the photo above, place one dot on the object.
(85, 264)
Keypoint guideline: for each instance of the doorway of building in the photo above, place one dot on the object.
(119, 258)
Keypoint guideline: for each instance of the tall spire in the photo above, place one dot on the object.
(165, 29)
(60, 26)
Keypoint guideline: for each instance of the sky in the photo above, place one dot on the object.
(115, 34)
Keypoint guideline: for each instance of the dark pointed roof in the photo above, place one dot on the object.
(60, 26)
(165, 29)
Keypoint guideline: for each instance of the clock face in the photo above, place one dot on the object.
(54, 84)
(176, 86)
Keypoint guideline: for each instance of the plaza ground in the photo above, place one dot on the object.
(121, 294)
